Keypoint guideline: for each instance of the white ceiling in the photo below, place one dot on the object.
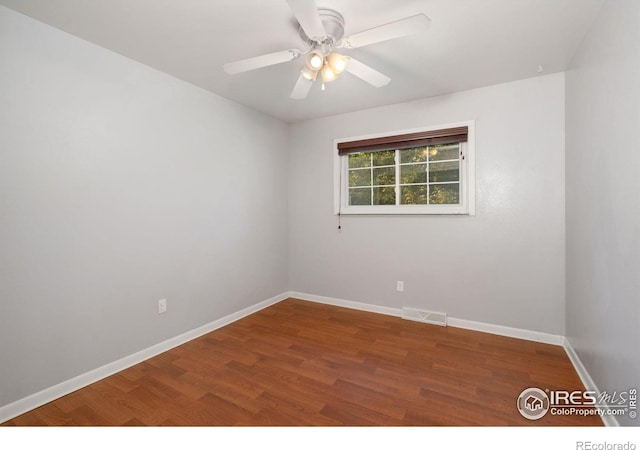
(470, 43)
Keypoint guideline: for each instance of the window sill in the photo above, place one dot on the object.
(399, 211)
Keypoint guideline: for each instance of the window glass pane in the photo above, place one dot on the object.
(444, 151)
(413, 195)
(384, 196)
(360, 196)
(359, 160)
(444, 171)
(360, 177)
(444, 194)
(411, 155)
(386, 158)
(415, 173)
(386, 175)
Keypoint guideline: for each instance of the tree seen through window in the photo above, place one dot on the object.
(414, 176)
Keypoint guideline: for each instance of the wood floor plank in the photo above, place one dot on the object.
(368, 398)
(304, 363)
(357, 415)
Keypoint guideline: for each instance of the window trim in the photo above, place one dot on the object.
(467, 177)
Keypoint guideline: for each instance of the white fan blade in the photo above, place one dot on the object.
(258, 62)
(366, 73)
(399, 28)
(301, 89)
(308, 17)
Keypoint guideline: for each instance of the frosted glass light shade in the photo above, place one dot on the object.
(309, 74)
(328, 74)
(315, 60)
(337, 62)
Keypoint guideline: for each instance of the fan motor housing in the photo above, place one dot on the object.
(333, 23)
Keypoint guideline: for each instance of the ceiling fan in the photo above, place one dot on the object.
(323, 31)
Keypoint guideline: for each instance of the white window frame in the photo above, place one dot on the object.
(467, 178)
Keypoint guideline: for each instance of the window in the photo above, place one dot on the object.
(427, 171)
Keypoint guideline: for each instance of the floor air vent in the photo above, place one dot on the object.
(420, 315)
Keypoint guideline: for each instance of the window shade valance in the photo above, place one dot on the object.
(423, 138)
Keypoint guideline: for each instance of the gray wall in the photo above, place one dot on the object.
(120, 185)
(503, 266)
(603, 207)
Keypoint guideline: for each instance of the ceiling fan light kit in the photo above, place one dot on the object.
(323, 31)
(330, 66)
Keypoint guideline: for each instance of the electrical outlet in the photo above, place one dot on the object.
(162, 306)
(400, 286)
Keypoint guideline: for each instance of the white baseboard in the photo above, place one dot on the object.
(528, 335)
(519, 333)
(347, 304)
(30, 402)
(586, 379)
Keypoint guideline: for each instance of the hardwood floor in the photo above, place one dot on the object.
(302, 363)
